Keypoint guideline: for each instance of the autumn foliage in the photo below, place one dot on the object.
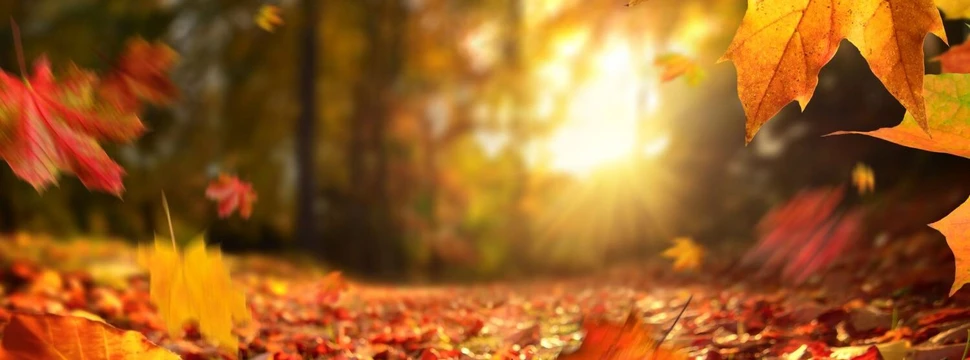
(51, 125)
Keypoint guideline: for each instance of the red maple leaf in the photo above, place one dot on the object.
(231, 194)
(48, 127)
(141, 73)
(806, 234)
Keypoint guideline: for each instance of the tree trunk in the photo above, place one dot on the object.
(377, 251)
(306, 234)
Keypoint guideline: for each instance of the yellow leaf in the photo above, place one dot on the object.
(268, 17)
(635, 2)
(686, 253)
(676, 65)
(954, 9)
(863, 178)
(196, 287)
(782, 45)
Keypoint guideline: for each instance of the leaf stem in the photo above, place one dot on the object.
(676, 320)
(18, 46)
(168, 216)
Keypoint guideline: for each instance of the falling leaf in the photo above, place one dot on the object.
(954, 9)
(781, 45)
(194, 287)
(49, 127)
(686, 253)
(231, 194)
(956, 60)
(630, 340)
(141, 73)
(676, 65)
(948, 103)
(268, 17)
(955, 227)
(631, 3)
(806, 233)
(48, 336)
(863, 178)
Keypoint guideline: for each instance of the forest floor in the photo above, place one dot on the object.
(727, 314)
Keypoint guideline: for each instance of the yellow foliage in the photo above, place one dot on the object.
(268, 17)
(196, 287)
(863, 178)
(686, 253)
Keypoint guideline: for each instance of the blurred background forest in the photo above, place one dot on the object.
(461, 138)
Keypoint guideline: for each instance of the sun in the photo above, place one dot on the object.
(601, 125)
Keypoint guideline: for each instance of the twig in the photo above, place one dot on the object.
(18, 46)
(168, 216)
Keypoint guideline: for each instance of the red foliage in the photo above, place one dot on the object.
(231, 194)
(48, 127)
(806, 234)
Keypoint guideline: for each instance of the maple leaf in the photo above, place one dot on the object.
(196, 287)
(686, 253)
(955, 60)
(782, 45)
(675, 65)
(232, 193)
(141, 73)
(48, 128)
(954, 9)
(863, 178)
(956, 228)
(48, 336)
(630, 340)
(948, 103)
(806, 233)
(268, 17)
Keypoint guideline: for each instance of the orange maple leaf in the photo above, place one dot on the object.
(48, 336)
(782, 45)
(955, 227)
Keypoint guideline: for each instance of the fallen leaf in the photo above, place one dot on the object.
(676, 65)
(948, 100)
(196, 287)
(635, 2)
(956, 60)
(48, 336)
(268, 17)
(686, 253)
(782, 45)
(141, 73)
(898, 350)
(231, 194)
(955, 227)
(51, 127)
(863, 178)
